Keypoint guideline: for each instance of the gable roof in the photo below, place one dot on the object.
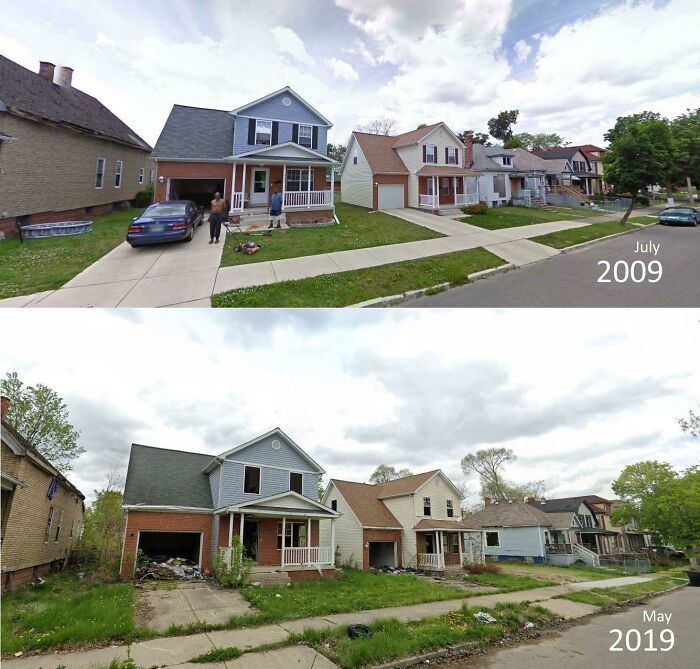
(195, 133)
(362, 498)
(483, 158)
(265, 151)
(415, 136)
(558, 152)
(509, 514)
(29, 94)
(380, 154)
(590, 147)
(165, 477)
(405, 485)
(286, 89)
(432, 524)
(571, 504)
(262, 504)
(526, 160)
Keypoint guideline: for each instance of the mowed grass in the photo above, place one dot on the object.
(509, 582)
(393, 639)
(566, 238)
(607, 596)
(66, 611)
(498, 218)
(643, 220)
(346, 288)
(572, 574)
(46, 264)
(359, 228)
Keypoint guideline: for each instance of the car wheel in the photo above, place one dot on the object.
(190, 237)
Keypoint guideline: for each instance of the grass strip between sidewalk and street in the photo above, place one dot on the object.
(509, 582)
(607, 596)
(342, 289)
(565, 238)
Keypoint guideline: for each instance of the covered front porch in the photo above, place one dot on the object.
(448, 545)
(447, 188)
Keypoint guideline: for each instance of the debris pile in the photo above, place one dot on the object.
(398, 570)
(172, 569)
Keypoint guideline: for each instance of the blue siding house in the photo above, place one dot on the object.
(277, 143)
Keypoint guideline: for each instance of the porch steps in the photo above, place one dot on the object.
(271, 577)
(451, 211)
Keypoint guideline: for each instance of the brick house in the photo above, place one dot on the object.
(63, 154)
(42, 511)
(191, 505)
(414, 521)
(276, 143)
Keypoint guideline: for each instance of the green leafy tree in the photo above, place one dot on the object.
(477, 137)
(422, 125)
(685, 140)
(385, 473)
(337, 151)
(40, 415)
(639, 154)
(501, 125)
(528, 141)
(691, 424)
(660, 500)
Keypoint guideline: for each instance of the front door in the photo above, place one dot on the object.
(260, 185)
(430, 544)
(250, 539)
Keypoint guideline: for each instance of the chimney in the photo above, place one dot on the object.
(46, 69)
(4, 406)
(468, 151)
(487, 501)
(65, 76)
(531, 500)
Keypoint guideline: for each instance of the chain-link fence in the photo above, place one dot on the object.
(634, 564)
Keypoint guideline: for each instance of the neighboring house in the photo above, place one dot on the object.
(577, 172)
(276, 143)
(630, 539)
(494, 165)
(428, 168)
(42, 511)
(528, 182)
(192, 504)
(63, 154)
(595, 154)
(413, 521)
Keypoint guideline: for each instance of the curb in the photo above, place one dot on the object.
(592, 242)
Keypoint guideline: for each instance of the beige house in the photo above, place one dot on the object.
(413, 521)
(42, 511)
(63, 154)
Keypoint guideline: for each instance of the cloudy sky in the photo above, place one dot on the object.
(577, 396)
(569, 67)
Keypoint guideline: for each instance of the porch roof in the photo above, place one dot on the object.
(280, 160)
(279, 512)
(446, 170)
(428, 524)
(595, 530)
(274, 505)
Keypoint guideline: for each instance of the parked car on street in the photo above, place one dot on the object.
(170, 221)
(679, 216)
(668, 552)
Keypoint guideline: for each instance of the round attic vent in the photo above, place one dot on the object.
(276, 445)
(286, 101)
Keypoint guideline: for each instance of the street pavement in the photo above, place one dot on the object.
(588, 645)
(571, 279)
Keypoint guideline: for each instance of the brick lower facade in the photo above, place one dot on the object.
(445, 197)
(389, 179)
(380, 535)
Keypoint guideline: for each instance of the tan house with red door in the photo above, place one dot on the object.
(428, 168)
(265, 492)
(414, 521)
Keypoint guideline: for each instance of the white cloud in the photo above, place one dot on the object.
(522, 50)
(342, 70)
(288, 41)
(104, 40)
(361, 50)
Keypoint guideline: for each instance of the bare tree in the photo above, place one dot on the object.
(380, 126)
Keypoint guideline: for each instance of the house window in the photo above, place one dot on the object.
(499, 184)
(100, 173)
(298, 180)
(454, 542)
(429, 188)
(426, 506)
(493, 539)
(47, 534)
(354, 159)
(251, 480)
(118, 174)
(507, 160)
(295, 535)
(141, 174)
(430, 153)
(452, 155)
(445, 185)
(150, 176)
(305, 135)
(450, 509)
(334, 505)
(59, 526)
(263, 132)
(296, 482)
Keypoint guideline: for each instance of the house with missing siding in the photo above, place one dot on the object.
(263, 492)
(42, 511)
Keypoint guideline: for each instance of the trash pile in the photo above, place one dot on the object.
(172, 569)
(484, 617)
(398, 570)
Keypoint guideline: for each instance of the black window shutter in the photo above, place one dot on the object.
(295, 133)
(251, 131)
(314, 141)
(435, 154)
(275, 132)
(423, 152)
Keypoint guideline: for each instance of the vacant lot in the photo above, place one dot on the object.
(498, 218)
(572, 574)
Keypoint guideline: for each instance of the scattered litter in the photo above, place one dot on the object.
(255, 584)
(484, 617)
(39, 581)
(528, 625)
(278, 596)
(248, 247)
(171, 569)
(398, 570)
(80, 575)
(18, 654)
(358, 631)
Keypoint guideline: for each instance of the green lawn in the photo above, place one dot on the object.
(359, 228)
(346, 288)
(565, 238)
(644, 220)
(608, 596)
(509, 582)
(46, 264)
(66, 611)
(574, 573)
(498, 218)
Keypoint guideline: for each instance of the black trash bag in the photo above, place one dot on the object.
(359, 631)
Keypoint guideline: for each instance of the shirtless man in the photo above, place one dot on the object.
(218, 205)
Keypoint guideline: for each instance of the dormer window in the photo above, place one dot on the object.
(251, 480)
(508, 161)
(306, 134)
(452, 155)
(263, 132)
(429, 153)
(426, 506)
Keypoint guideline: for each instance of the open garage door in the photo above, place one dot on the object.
(390, 196)
(161, 546)
(382, 554)
(200, 190)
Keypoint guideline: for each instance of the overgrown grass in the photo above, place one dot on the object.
(393, 639)
(66, 611)
(575, 572)
(607, 596)
(46, 264)
(498, 218)
(345, 288)
(218, 655)
(509, 582)
(359, 228)
(565, 238)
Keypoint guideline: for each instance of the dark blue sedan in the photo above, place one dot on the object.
(170, 221)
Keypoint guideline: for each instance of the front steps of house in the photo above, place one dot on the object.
(269, 576)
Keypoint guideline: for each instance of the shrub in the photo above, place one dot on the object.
(144, 197)
(483, 568)
(237, 575)
(473, 209)
(643, 200)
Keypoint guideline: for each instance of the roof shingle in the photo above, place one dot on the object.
(362, 498)
(508, 514)
(380, 155)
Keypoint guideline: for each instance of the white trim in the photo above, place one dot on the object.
(118, 172)
(104, 169)
(259, 468)
(340, 494)
(257, 464)
(13, 482)
(311, 136)
(498, 533)
(373, 527)
(286, 89)
(280, 120)
(266, 194)
(263, 148)
(166, 508)
(313, 502)
(439, 472)
(264, 132)
(15, 446)
(142, 174)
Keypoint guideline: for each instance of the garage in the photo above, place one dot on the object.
(161, 546)
(200, 191)
(390, 196)
(382, 554)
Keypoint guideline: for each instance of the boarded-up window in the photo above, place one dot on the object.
(251, 482)
(499, 184)
(334, 505)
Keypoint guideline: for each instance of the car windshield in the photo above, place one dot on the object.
(166, 209)
(678, 210)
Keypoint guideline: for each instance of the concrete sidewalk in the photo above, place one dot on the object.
(177, 651)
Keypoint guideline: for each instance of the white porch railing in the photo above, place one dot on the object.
(586, 555)
(431, 560)
(309, 555)
(305, 198)
(428, 200)
(466, 198)
(237, 202)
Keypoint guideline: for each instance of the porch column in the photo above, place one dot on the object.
(454, 189)
(464, 189)
(460, 538)
(437, 191)
(442, 547)
(477, 191)
(240, 529)
(308, 541)
(233, 186)
(332, 187)
(332, 540)
(284, 185)
(308, 190)
(243, 187)
(284, 536)
(230, 529)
